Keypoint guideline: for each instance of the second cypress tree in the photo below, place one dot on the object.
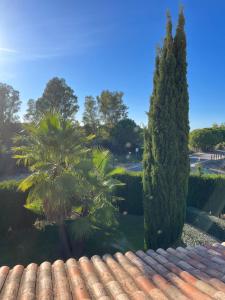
(182, 122)
(166, 162)
(159, 177)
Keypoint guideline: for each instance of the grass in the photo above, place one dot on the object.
(26, 246)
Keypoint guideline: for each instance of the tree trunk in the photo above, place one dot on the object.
(64, 242)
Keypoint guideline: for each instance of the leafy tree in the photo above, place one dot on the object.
(126, 136)
(67, 179)
(58, 96)
(31, 113)
(160, 153)
(9, 107)
(90, 115)
(9, 104)
(111, 108)
(206, 139)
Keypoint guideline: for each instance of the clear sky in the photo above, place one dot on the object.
(103, 44)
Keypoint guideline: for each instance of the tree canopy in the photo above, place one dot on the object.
(111, 108)
(57, 97)
(206, 139)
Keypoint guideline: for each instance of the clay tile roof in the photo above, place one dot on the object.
(182, 273)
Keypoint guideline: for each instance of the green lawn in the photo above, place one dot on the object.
(37, 246)
(33, 245)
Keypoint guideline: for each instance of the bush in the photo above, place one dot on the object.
(206, 139)
(131, 192)
(207, 192)
(13, 213)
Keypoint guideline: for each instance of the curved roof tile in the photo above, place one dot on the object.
(180, 274)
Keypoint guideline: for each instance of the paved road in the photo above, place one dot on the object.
(195, 158)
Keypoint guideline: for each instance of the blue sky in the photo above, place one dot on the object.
(102, 44)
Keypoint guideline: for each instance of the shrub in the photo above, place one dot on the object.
(207, 192)
(131, 193)
(206, 139)
(13, 213)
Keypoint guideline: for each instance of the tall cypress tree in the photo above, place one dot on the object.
(166, 162)
(159, 176)
(182, 121)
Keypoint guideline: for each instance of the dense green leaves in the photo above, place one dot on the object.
(67, 180)
(57, 97)
(165, 159)
(90, 115)
(207, 138)
(9, 107)
(111, 108)
(125, 136)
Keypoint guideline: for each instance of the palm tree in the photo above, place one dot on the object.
(67, 178)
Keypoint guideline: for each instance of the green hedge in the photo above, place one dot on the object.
(131, 192)
(13, 213)
(206, 192)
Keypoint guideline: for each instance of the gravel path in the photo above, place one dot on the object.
(192, 236)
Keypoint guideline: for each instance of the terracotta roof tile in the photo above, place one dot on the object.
(180, 274)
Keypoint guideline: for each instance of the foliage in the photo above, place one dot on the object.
(131, 192)
(111, 108)
(9, 107)
(90, 115)
(31, 113)
(207, 138)
(125, 136)
(66, 175)
(207, 192)
(164, 201)
(14, 216)
(9, 104)
(182, 124)
(58, 97)
(220, 146)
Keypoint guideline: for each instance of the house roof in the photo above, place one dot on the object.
(182, 273)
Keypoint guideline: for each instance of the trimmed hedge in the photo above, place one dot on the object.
(131, 192)
(13, 213)
(207, 192)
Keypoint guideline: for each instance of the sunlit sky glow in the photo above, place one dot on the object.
(101, 44)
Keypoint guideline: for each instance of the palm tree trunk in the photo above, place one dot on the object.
(64, 241)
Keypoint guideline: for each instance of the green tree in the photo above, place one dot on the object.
(90, 115)
(9, 104)
(67, 179)
(111, 108)
(206, 139)
(58, 96)
(160, 151)
(126, 136)
(9, 107)
(182, 124)
(31, 113)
